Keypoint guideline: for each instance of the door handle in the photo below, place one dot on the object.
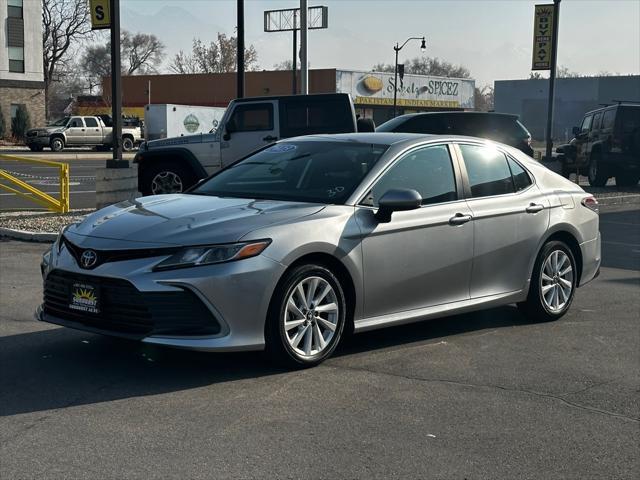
(83, 129)
(459, 219)
(270, 138)
(534, 208)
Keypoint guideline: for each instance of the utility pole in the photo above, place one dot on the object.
(552, 80)
(304, 65)
(240, 44)
(294, 63)
(116, 89)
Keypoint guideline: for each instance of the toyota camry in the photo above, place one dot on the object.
(311, 238)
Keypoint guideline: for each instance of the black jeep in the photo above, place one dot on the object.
(607, 144)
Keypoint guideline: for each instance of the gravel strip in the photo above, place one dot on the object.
(40, 222)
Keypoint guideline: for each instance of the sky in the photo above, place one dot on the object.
(493, 38)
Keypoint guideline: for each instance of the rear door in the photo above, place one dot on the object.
(93, 131)
(75, 131)
(510, 216)
(250, 126)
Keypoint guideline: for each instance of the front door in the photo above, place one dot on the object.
(421, 257)
(75, 131)
(250, 126)
(582, 141)
(510, 216)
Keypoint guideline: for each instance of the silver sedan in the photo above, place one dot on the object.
(305, 240)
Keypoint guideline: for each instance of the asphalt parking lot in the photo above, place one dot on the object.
(476, 396)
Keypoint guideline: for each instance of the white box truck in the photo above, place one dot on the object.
(168, 121)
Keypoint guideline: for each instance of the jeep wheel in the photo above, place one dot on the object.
(166, 178)
(597, 175)
(127, 144)
(566, 170)
(56, 144)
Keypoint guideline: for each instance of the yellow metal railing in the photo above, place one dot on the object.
(32, 193)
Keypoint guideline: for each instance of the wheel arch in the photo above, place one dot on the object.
(564, 235)
(147, 159)
(338, 269)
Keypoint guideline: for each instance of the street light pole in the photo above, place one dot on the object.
(397, 48)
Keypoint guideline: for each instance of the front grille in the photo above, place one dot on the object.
(105, 256)
(125, 310)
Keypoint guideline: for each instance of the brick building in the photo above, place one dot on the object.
(21, 69)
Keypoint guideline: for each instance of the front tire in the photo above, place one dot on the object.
(127, 144)
(553, 283)
(166, 178)
(306, 318)
(56, 144)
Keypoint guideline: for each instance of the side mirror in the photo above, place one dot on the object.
(575, 131)
(397, 200)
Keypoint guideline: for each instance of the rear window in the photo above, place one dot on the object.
(330, 115)
(629, 119)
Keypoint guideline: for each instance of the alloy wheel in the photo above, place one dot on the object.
(556, 281)
(166, 182)
(311, 316)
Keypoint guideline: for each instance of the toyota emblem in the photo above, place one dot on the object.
(88, 259)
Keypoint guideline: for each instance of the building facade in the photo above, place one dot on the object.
(372, 92)
(573, 98)
(21, 68)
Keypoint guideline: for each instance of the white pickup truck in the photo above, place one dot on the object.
(79, 131)
(172, 165)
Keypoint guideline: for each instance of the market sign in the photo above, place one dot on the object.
(542, 37)
(100, 14)
(376, 88)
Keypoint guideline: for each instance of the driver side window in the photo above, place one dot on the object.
(75, 123)
(428, 171)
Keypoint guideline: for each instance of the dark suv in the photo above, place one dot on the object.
(501, 127)
(606, 144)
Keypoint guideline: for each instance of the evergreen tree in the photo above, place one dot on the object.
(21, 123)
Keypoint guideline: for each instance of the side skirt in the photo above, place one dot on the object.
(438, 311)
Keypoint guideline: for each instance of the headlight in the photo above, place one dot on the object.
(194, 256)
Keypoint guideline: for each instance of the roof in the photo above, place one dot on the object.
(377, 138)
(297, 97)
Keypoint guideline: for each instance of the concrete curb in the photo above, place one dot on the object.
(25, 236)
(619, 200)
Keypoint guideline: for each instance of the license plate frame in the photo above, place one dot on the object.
(84, 297)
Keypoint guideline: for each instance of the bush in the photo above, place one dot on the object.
(21, 123)
(2, 128)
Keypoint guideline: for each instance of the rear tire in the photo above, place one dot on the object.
(56, 144)
(306, 317)
(627, 179)
(166, 178)
(553, 283)
(127, 144)
(598, 175)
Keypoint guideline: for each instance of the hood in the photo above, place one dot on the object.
(180, 219)
(47, 129)
(184, 140)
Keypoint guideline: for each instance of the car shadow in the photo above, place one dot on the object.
(59, 368)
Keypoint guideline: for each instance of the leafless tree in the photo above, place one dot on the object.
(284, 65)
(217, 57)
(141, 54)
(428, 66)
(63, 23)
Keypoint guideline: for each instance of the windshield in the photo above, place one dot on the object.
(318, 172)
(60, 123)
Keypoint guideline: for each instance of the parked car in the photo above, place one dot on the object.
(79, 131)
(605, 145)
(499, 127)
(174, 164)
(314, 236)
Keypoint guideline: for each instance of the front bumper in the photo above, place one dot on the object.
(235, 294)
(37, 141)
